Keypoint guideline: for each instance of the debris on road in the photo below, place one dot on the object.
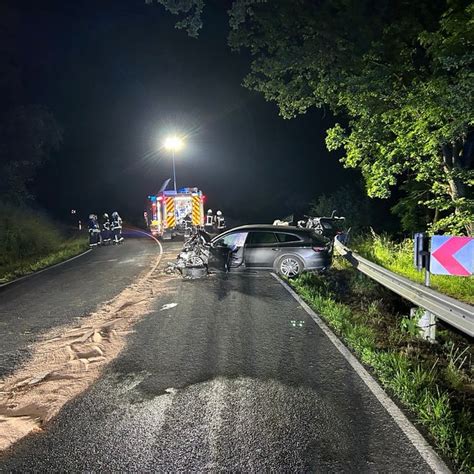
(15, 428)
(171, 269)
(32, 380)
(193, 259)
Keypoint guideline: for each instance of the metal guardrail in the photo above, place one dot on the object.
(458, 314)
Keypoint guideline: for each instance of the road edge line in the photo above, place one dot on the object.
(24, 277)
(160, 255)
(416, 438)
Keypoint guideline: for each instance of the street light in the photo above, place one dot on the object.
(174, 144)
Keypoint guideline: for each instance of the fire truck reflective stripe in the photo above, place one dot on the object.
(169, 203)
(197, 210)
(169, 209)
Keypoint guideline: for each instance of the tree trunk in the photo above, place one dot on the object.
(453, 160)
(436, 216)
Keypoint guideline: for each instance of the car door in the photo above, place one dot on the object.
(227, 250)
(261, 249)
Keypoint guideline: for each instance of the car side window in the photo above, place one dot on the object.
(287, 237)
(233, 240)
(261, 238)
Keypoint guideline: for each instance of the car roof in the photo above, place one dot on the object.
(270, 228)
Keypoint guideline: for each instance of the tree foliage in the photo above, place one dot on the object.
(28, 132)
(398, 74)
(349, 202)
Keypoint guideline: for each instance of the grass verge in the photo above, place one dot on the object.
(30, 241)
(398, 257)
(434, 382)
(66, 249)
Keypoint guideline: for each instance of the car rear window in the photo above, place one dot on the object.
(287, 237)
(261, 238)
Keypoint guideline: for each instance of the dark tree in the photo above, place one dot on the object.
(28, 133)
(398, 73)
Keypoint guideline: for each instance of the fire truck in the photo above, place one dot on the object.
(171, 213)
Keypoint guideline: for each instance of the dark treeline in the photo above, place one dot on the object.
(396, 74)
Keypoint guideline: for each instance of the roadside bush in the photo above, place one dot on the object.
(29, 240)
(25, 234)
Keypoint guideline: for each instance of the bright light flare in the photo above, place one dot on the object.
(173, 143)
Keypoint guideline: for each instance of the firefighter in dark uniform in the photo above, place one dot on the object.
(188, 221)
(208, 225)
(220, 221)
(116, 228)
(105, 230)
(188, 224)
(94, 231)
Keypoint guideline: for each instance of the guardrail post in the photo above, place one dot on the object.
(427, 322)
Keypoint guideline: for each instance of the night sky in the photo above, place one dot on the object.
(118, 76)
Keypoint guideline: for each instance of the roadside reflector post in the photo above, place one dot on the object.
(427, 323)
(420, 248)
(429, 319)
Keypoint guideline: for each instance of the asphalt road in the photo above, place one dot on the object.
(67, 292)
(236, 377)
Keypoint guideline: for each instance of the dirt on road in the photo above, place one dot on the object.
(68, 360)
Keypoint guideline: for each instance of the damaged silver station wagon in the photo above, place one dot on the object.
(286, 250)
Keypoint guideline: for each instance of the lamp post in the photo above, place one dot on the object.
(174, 144)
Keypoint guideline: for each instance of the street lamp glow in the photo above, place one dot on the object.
(174, 143)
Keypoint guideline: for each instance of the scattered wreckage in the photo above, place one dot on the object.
(193, 259)
(325, 226)
(286, 250)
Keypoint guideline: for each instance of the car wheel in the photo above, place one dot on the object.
(290, 266)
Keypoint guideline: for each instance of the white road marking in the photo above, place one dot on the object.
(44, 269)
(415, 437)
(168, 306)
(160, 255)
(77, 256)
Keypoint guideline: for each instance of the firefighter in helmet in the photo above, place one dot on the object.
(94, 231)
(116, 228)
(209, 221)
(220, 222)
(209, 218)
(105, 229)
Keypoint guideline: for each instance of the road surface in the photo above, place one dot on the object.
(66, 293)
(238, 377)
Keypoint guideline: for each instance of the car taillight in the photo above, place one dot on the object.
(319, 249)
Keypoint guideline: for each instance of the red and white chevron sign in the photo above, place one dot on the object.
(452, 255)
